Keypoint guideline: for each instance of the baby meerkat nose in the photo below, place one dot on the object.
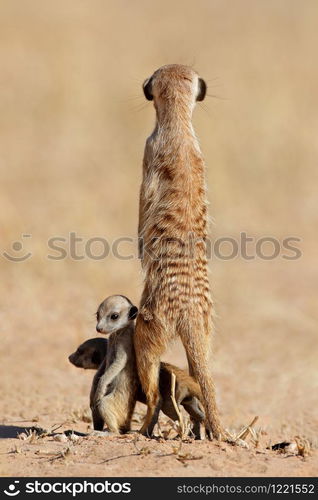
(99, 329)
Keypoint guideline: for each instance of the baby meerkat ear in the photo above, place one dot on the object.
(96, 358)
(147, 88)
(202, 88)
(133, 312)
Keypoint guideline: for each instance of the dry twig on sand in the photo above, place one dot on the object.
(240, 438)
(176, 407)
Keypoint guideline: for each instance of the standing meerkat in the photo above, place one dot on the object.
(176, 300)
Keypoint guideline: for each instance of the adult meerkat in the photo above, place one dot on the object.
(187, 391)
(114, 388)
(176, 300)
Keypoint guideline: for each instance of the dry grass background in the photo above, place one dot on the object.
(73, 122)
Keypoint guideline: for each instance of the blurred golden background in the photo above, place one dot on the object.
(73, 123)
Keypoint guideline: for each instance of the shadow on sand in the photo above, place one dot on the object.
(12, 431)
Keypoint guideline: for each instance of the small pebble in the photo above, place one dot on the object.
(60, 437)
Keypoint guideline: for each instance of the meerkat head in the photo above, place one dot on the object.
(174, 82)
(115, 313)
(90, 354)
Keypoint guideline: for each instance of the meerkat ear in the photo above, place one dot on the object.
(202, 88)
(96, 358)
(147, 88)
(133, 312)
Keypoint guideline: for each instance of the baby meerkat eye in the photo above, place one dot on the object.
(114, 316)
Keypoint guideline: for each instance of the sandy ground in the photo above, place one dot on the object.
(272, 377)
(73, 123)
(122, 456)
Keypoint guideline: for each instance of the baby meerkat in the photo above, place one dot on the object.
(114, 388)
(187, 391)
(90, 354)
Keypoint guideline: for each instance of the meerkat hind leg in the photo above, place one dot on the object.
(108, 408)
(197, 350)
(98, 421)
(126, 427)
(154, 402)
(148, 354)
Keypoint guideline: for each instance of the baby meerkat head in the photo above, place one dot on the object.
(115, 313)
(90, 354)
(174, 82)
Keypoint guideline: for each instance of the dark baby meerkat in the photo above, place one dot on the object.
(176, 299)
(187, 391)
(90, 354)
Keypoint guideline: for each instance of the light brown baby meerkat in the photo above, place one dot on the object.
(187, 391)
(176, 300)
(114, 388)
